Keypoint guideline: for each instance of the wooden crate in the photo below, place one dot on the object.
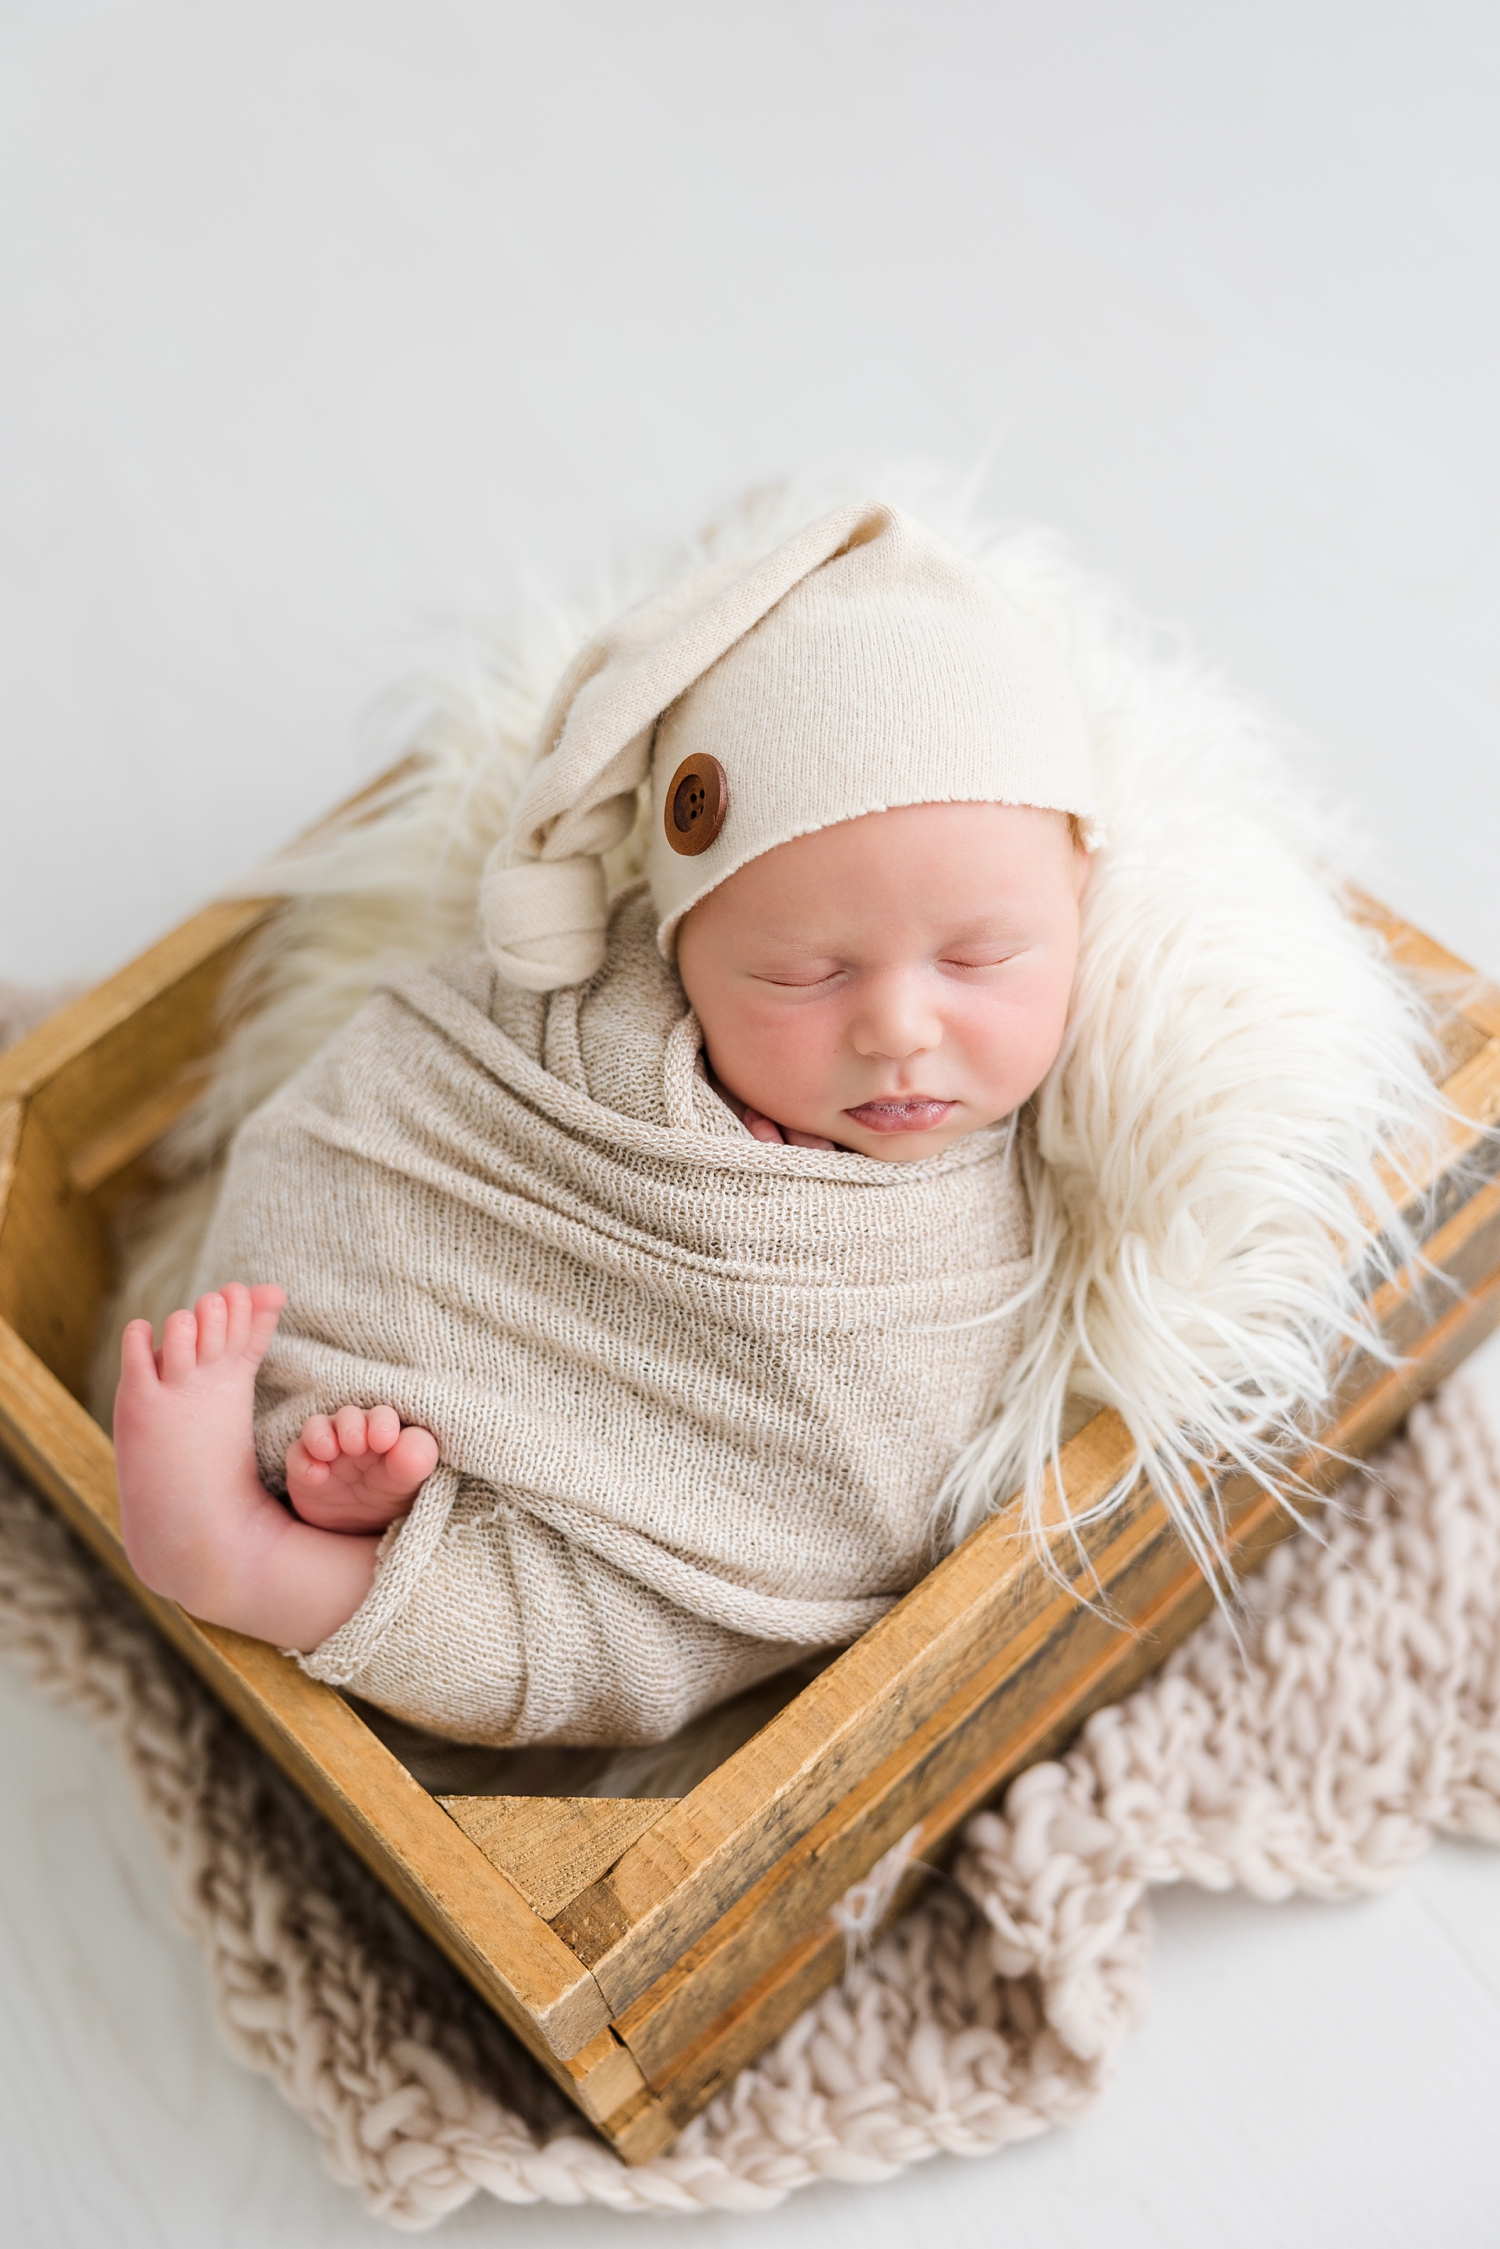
(645, 1951)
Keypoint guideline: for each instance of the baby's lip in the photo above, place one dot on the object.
(913, 1112)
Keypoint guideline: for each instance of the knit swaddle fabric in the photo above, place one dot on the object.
(694, 1395)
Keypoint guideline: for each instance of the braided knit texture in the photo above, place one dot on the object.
(1361, 1719)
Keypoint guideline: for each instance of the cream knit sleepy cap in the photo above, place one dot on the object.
(862, 664)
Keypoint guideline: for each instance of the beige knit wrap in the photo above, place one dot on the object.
(694, 1395)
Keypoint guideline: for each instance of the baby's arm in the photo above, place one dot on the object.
(198, 1524)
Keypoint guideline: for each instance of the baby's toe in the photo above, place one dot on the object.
(212, 1315)
(411, 1459)
(236, 1301)
(382, 1428)
(303, 1470)
(349, 1426)
(265, 1302)
(319, 1438)
(138, 1355)
(179, 1346)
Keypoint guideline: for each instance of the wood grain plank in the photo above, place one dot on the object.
(1027, 1712)
(1451, 985)
(711, 1846)
(80, 1057)
(605, 2079)
(552, 1847)
(128, 1137)
(102, 1079)
(643, 2129)
(443, 1879)
(12, 1117)
(684, 1872)
(688, 2050)
(56, 1257)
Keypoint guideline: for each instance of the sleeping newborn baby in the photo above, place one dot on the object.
(639, 1278)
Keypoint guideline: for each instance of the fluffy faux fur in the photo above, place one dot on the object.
(1240, 1058)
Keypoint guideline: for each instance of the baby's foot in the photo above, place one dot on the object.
(357, 1471)
(184, 1452)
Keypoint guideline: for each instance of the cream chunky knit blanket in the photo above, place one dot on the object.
(695, 1396)
(1362, 1719)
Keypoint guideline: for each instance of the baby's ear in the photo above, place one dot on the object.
(1083, 858)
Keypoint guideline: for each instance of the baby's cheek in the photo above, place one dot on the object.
(792, 1058)
(1011, 1048)
(780, 1061)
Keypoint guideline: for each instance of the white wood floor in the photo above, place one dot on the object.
(326, 322)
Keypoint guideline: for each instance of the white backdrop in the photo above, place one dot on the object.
(328, 325)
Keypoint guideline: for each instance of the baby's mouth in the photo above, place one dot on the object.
(916, 1115)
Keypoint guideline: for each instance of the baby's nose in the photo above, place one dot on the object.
(895, 1021)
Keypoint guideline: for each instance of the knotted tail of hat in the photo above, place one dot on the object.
(542, 901)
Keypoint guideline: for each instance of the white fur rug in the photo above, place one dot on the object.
(1362, 1720)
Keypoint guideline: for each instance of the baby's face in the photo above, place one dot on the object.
(894, 982)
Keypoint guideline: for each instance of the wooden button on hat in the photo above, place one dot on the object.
(697, 798)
